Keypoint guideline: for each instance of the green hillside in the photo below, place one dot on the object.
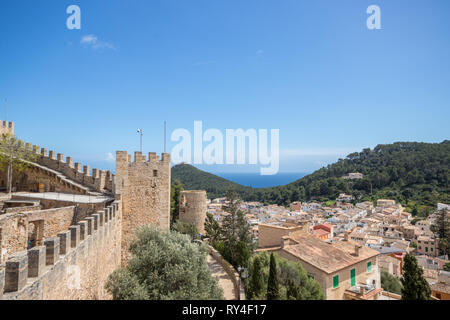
(415, 174)
(195, 179)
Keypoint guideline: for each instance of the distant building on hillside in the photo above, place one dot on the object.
(353, 175)
(385, 203)
(443, 206)
(295, 206)
(345, 198)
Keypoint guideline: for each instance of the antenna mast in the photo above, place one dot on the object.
(165, 135)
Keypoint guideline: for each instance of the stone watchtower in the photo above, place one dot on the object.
(193, 208)
(144, 188)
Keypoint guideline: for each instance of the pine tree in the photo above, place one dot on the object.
(212, 229)
(442, 229)
(415, 287)
(293, 291)
(273, 288)
(236, 232)
(175, 191)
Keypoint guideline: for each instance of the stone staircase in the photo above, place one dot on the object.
(63, 178)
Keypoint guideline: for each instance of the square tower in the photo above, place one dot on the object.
(144, 188)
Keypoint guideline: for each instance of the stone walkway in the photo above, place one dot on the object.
(79, 198)
(218, 272)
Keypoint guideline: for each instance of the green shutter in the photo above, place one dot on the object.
(352, 277)
(335, 282)
(369, 266)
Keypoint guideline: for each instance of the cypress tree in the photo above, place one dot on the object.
(273, 288)
(415, 287)
(256, 284)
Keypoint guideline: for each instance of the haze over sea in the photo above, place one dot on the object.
(256, 180)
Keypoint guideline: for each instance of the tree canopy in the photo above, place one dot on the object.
(293, 280)
(164, 266)
(415, 286)
(390, 283)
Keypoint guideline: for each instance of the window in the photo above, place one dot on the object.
(155, 173)
(431, 249)
(369, 266)
(352, 277)
(426, 249)
(335, 282)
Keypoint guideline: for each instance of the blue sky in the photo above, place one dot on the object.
(309, 68)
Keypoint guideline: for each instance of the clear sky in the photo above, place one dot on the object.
(309, 68)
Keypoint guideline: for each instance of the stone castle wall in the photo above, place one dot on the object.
(144, 189)
(15, 227)
(73, 265)
(6, 127)
(63, 250)
(28, 179)
(98, 180)
(193, 208)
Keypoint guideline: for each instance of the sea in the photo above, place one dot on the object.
(256, 180)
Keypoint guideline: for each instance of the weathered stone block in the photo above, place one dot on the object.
(83, 229)
(101, 218)
(51, 251)
(106, 211)
(114, 210)
(2, 280)
(16, 273)
(64, 242)
(90, 225)
(36, 261)
(96, 221)
(74, 235)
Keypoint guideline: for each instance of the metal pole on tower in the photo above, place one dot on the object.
(6, 107)
(165, 135)
(141, 133)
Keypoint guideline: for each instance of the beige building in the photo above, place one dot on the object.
(427, 246)
(295, 206)
(385, 203)
(344, 269)
(270, 235)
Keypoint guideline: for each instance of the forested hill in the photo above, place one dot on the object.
(195, 179)
(410, 172)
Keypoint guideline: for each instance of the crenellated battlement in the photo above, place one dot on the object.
(6, 127)
(152, 158)
(65, 266)
(98, 180)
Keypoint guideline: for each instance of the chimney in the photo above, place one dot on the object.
(362, 290)
(357, 248)
(346, 235)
